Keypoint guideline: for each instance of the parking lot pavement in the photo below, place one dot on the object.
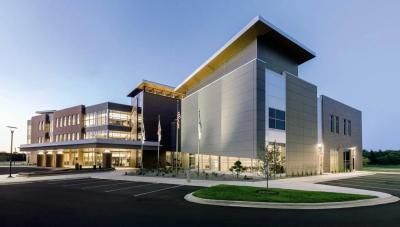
(389, 183)
(20, 169)
(89, 201)
(129, 188)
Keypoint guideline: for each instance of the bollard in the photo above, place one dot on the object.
(188, 176)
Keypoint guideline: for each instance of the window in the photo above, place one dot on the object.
(337, 124)
(332, 124)
(344, 126)
(349, 127)
(77, 136)
(277, 119)
(69, 120)
(77, 119)
(73, 119)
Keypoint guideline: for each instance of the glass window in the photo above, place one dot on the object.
(332, 124)
(119, 118)
(277, 119)
(344, 126)
(337, 124)
(349, 127)
(78, 120)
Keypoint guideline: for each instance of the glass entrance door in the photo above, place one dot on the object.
(347, 160)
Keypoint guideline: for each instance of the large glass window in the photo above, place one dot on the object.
(119, 135)
(95, 118)
(277, 119)
(119, 118)
(95, 134)
(332, 123)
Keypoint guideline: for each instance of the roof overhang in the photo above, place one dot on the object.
(90, 143)
(155, 87)
(257, 27)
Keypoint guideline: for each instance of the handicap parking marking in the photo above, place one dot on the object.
(107, 185)
(159, 190)
(69, 180)
(94, 181)
(127, 188)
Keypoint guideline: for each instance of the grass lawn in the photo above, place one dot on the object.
(256, 194)
(382, 168)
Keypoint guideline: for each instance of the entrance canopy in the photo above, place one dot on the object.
(90, 143)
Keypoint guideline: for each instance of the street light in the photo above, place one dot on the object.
(12, 128)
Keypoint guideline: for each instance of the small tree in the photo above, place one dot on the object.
(237, 168)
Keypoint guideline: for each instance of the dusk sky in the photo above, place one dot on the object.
(56, 54)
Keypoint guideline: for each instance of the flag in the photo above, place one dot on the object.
(159, 129)
(143, 133)
(178, 117)
(199, 127)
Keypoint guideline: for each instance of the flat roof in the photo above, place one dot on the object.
(257, 26)
(90, 143)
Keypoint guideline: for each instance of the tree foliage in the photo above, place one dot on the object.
(388, 157)
(237, 168)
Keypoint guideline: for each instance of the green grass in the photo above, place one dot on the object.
(382, 168)
(247, 193)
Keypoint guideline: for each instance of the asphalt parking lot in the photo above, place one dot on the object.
(18, 169)
(97, 202)
(389, 183)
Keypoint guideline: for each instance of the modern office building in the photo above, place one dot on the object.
(248, 97)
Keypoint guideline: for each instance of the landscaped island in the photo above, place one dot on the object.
(258, 194)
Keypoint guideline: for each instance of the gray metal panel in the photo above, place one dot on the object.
(247, 54)
(228, 113)
(301, 126)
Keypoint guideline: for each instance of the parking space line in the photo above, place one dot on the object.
(127, 188)
(91, 182)
(163, 189)
(362, 186)
(70, 180)
(105, 185)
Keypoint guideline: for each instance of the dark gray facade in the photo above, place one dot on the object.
(345, 135)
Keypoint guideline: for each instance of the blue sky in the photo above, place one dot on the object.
(55, 54)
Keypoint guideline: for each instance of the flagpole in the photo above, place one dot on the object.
(198, 144)
(142, 147)
(177, 135)
(158, 147)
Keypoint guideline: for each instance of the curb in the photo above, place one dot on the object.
(303, 206)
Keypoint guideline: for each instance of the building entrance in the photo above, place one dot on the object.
(347, 160)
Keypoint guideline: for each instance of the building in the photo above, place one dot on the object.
(248, 99)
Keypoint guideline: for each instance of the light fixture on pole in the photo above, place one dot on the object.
(12, 129)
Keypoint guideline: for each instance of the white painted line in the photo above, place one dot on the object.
(362, 186)
(91, 182)
(163, 189)
(72, 180)
(127, 188)
(105, 185)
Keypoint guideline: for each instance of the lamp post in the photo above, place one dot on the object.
(12, 128)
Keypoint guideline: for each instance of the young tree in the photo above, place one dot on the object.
(237, 168)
